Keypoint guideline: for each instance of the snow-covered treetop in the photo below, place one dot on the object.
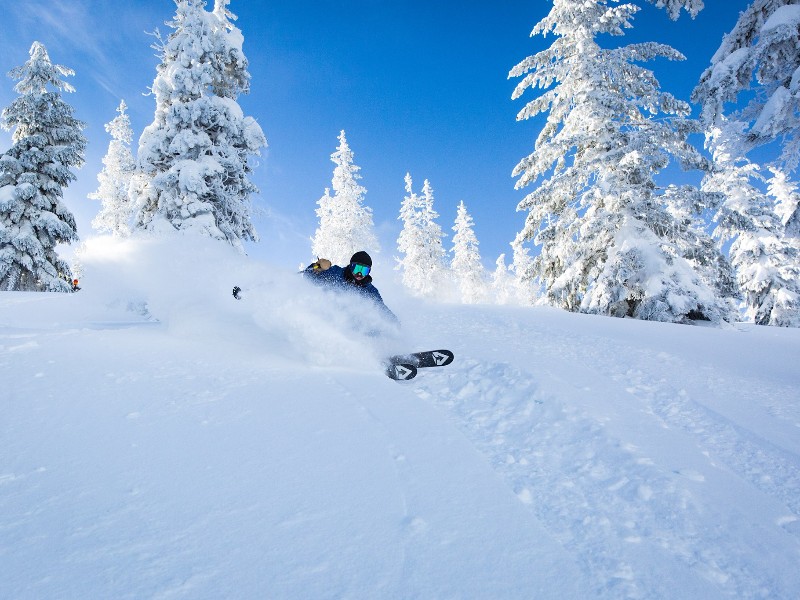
(57, 124)
(575, 70)
(345, 174)
(222, 12)
(36, 74)
(762, 55)
(427, 195)
(674, 7)
(120, 127)
(465, 243)
(606, 19)
(186, 63)
(561, 19)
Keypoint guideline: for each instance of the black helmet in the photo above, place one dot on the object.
(361, 258)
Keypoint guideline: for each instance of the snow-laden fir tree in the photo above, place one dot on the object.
(522, 265)
(466, 266)
(787, 204)
(345, 223)
(608, 244)
(503, 286)
(756, 67)
(423, 262)
(115, 178)
(195, 158)
(47, 142)
(766, 264)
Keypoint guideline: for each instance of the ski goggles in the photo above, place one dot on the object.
(357, 269)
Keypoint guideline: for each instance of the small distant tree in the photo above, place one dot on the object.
(410, 242)
(767, 265)
(47, 142)
(423, 263)
(466, 265)
(115, 178)
(345, 223)
(523, 266)
(195, 157)
(503, 285)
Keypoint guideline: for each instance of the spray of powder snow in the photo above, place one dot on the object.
(185, 283)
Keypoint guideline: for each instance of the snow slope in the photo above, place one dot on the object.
(159, 439)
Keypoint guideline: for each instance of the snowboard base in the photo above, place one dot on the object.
(403, 367)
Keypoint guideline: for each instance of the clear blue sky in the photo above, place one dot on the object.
(418, 86)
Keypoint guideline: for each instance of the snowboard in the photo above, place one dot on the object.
(403, 367)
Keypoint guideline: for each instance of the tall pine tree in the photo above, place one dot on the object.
(195, 158)
(47, 142)
(345, 223)
(608, 242)
(115, 178)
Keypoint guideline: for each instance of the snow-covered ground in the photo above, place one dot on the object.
(159, 439)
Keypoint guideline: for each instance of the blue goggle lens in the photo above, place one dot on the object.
(357, 269)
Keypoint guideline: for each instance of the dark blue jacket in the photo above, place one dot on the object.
(339, 278)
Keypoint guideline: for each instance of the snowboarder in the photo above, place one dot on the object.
(354, 277)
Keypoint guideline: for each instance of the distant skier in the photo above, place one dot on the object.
(75, 286)
(355, 277)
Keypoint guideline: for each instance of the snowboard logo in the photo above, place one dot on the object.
(440, 358)
(402, 372)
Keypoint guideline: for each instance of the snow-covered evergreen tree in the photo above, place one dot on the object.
(503, 286)
(409, 242)
(195, 158)
(345, 223)
(762, 49)
(47, 142)
(522, 265)
(423, 263)
(115, 178)
(466, 266)
(767, 265)
(787, 204)
(608, 243)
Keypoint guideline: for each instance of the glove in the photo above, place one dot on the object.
(236, 290)
(322, 264)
